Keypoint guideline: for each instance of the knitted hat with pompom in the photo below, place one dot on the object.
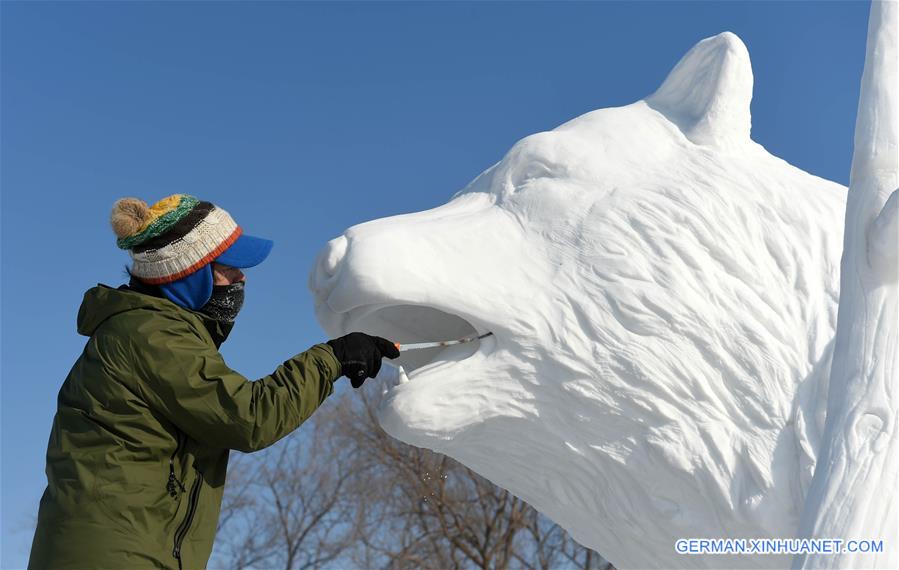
(174, 237)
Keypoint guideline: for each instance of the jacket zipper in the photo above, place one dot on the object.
(181, 533)
(174, 484)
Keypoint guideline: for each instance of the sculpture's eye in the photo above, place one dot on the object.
(536, 169)
(530, 172)
(533, 158)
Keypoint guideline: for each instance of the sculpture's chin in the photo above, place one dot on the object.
(435, 404)
(445, 391)
(433, 401)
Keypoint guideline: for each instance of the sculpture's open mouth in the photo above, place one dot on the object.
(413, 324)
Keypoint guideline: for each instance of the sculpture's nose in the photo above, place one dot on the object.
(327, 267)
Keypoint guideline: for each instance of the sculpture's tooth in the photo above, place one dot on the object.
(404, 379)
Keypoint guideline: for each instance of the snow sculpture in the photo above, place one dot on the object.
(663, 295)
(857, 480)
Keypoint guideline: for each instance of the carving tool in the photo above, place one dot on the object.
(420, 345)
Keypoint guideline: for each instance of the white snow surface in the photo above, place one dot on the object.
(855, 489)
(662, 294)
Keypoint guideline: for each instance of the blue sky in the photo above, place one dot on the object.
(303, 119)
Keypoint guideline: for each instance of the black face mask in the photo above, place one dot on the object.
(225, 302)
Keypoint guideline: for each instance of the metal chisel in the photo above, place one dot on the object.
(420, 345)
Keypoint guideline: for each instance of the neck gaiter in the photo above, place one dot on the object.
(225, 303)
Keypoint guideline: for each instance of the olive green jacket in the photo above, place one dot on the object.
(139, 446)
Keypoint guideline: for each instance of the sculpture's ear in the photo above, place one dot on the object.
(707, 94)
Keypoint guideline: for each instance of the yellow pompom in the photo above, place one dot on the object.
(128, 216)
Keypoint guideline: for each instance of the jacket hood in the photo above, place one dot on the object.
(102, 302)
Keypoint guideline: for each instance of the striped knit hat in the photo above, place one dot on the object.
(174, 237)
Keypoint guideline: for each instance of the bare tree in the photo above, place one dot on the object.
(549, 547)
(445, 515)
(342, 493)
(287, 508)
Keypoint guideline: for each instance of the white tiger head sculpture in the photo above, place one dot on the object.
(662, 294)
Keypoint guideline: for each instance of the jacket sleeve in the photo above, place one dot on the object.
(190, 384)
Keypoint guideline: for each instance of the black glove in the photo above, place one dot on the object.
(360, 355)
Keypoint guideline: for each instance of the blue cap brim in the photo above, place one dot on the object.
(247, 251)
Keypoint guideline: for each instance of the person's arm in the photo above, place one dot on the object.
(189, 383)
